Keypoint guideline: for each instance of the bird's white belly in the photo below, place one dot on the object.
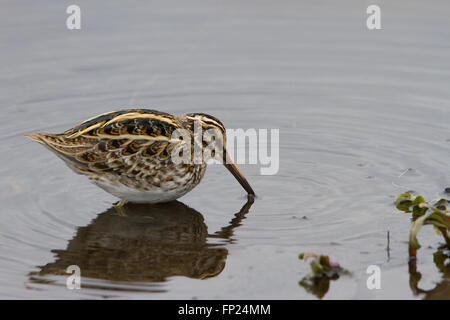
(154, 195)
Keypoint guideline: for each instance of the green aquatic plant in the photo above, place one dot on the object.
(433, 213)
(322, 272)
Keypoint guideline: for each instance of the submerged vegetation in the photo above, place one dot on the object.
(433, 213)
(322, 272)
(437, 214)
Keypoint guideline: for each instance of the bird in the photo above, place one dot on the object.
(129, 153)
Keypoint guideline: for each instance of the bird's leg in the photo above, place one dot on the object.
(119, 208)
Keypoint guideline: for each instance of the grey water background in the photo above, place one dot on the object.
(363, 116)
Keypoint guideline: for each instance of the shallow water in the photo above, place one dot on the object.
(362, 115)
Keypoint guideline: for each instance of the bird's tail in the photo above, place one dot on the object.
(35, 137)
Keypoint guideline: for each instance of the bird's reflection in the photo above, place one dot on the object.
(149, 244)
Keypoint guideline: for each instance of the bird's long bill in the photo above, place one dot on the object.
(234, 169)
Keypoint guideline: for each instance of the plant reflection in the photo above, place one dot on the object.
(149, 244)
(441, 291)
(323, 271)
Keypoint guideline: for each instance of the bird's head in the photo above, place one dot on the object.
(214, 137)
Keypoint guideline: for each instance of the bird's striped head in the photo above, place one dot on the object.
(215, 126)
(207, 122)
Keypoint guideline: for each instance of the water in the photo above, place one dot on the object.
(362, 115)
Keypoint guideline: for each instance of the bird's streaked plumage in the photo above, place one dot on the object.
(128, 153)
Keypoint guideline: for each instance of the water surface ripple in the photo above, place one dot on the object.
(363, 116)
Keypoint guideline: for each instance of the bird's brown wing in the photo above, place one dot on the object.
(115, 141)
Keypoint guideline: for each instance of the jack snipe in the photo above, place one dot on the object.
(128, 153)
